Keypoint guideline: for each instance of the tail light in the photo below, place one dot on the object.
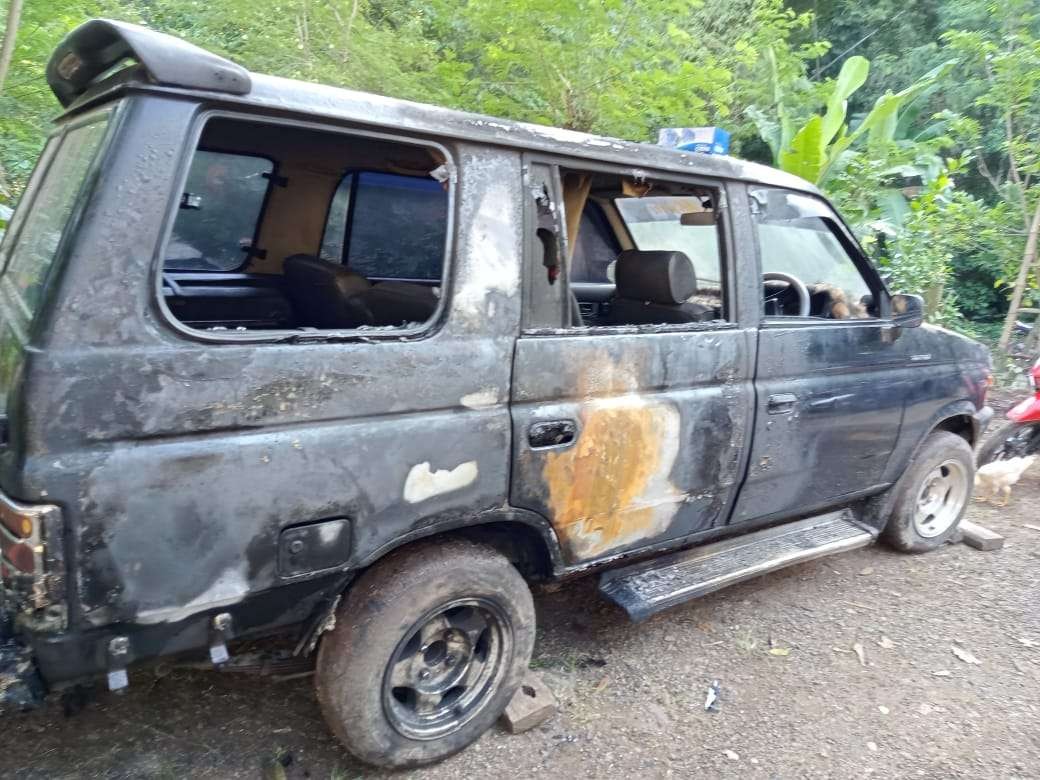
(31, 564)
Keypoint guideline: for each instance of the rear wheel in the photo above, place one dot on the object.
(1011, 440)
(429, 646)
(932, 495)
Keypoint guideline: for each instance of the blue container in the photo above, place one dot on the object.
(706, 140)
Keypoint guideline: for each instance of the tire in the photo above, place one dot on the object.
(942, 468)
(458, 613)
(1008, 441)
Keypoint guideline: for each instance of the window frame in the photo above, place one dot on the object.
(727, 248)
(349, 225)
(845, 237)
(272, 177)
(191, 143)
(112, 115)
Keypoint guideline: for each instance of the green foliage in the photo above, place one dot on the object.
(818, 87)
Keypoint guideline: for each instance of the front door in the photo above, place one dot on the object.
(631, 433)
(830, 383)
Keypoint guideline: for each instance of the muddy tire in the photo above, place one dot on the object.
(429, 646)
(932, 494)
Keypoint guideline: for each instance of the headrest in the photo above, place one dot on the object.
(659, 276)
(313, 271)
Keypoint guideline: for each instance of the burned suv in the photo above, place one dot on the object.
(282, 358)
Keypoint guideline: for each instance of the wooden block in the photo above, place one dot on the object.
(531, 705)
(980, 538)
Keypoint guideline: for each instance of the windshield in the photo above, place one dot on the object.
(654, 224)
(44, 213)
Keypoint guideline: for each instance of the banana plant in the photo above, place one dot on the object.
(817, 147)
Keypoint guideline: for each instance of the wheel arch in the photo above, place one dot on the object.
(525, 538)
(958, 418)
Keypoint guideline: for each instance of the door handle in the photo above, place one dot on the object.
(781, 403)
(554, 433)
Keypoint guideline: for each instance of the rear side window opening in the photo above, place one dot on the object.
(284, 227)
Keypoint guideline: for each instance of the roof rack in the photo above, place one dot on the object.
(90, 53)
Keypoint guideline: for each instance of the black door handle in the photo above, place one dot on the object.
(781, 403)
(554, 433)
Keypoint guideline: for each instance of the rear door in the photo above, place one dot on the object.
(631, 436)
(830, 385)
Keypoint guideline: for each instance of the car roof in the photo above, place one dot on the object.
(78, 67)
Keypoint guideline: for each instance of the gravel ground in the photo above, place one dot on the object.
(632, 696)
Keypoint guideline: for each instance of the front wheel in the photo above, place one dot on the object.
(1011, 440)
(429, 646)
(932, 494)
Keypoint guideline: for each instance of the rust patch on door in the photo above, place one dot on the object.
(612, 488)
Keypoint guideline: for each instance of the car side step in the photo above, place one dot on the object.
(646, 588)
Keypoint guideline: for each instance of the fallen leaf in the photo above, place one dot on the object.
(861, 654)
(886, 643)
(964, 655)
(731, 755)
(601, 685)
(867, 571)
(941, 673)
(883, 709)
(781, 651)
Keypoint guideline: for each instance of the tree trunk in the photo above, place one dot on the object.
(1028, 260)
(14, 15)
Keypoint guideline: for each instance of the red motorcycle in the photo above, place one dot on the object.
(1021, 435)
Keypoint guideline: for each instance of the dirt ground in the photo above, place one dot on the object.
(632, 696)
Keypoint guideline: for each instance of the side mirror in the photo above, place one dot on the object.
(907, 310)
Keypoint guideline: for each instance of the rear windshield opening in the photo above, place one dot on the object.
(284, 228)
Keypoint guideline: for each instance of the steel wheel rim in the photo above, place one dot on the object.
(941, 498)
(446, 668)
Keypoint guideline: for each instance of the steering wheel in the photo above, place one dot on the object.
(804, 303)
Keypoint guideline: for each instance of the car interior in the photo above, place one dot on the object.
(289, 228)
(281, 228)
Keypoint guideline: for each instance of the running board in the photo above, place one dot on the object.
(646, 588)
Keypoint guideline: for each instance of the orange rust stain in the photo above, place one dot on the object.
(611, 488)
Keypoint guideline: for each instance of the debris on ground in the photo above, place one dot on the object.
(531, 705)
(886, 643)
(861, 654)
(711, 701)
(979, 537)
(964, 655)
(731, 755)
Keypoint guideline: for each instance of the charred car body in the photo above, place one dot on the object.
(282, 357)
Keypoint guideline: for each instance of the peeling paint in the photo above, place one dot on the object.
(613, 487)
(423, 483)
(229, 588)
(480, 399)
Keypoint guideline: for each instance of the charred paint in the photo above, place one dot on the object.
(613, 488)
